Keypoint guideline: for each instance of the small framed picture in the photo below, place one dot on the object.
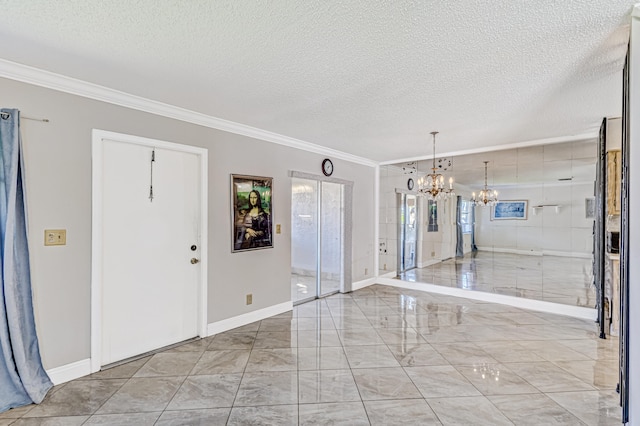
(251, 213)
(510, 210)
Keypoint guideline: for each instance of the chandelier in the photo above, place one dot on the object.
(486, 197)
(432, 184)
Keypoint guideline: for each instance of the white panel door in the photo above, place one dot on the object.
(149, 284)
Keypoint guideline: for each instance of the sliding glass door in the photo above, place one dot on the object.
(317, 229)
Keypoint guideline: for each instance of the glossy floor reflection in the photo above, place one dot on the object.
(380, 356)
(565, 280)
(303, 286)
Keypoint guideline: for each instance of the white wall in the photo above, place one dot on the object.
(58, 186)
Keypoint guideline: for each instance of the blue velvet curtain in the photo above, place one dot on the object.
(22, 376)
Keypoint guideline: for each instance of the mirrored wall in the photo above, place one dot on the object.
(544, 252)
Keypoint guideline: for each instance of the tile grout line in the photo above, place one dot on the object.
(183, 381)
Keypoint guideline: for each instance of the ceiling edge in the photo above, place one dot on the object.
(525, 144)
(26, 74)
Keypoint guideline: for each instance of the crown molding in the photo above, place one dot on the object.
(61, 83)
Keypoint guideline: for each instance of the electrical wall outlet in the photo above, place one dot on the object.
(366, 271)
(55, 237)
(249, 299)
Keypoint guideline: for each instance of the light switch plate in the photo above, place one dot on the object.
(278, 229)
(55, 237)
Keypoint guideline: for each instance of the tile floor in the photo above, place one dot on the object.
(303, 286)
(380, 356)
(566, 280)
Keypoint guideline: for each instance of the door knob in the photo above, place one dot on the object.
(194, 260)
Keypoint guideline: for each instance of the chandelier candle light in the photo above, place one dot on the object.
(432, 184)
(486, 197)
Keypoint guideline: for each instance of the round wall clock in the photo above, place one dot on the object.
(410, 184)
(327, 167)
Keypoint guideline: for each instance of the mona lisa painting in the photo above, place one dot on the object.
(251, 213)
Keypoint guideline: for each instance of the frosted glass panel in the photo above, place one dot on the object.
(330, 238)
(304, 239)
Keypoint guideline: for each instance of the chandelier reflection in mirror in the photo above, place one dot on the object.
(486, 197)
(487, 372)
(431, 185)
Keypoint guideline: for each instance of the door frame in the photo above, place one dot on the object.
(98, 138)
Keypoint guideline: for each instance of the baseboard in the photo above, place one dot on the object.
(519, 302)
(511, 251)
(248, 318)
(391, 274)
(70, 372)
(428, 263)
(537, 252)
(568, 254)
(362, 284)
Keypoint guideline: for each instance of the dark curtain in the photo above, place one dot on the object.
(459, 238)
(474, 248)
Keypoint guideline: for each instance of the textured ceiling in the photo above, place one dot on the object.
(370, 78)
